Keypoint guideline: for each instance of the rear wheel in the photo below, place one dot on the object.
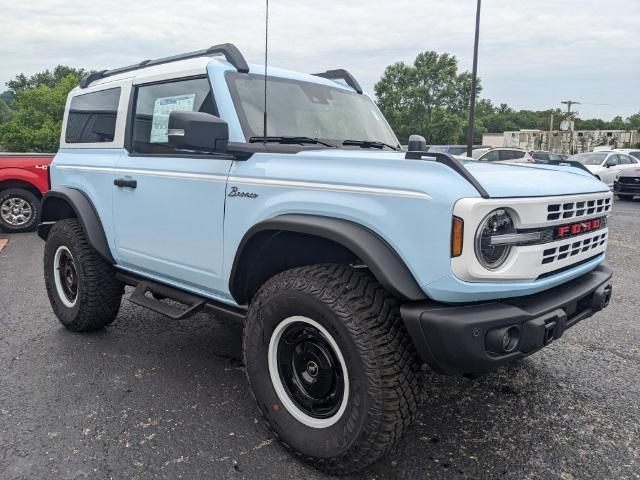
(331, 365)
(81, 285)
(19, 210)
(625, 197)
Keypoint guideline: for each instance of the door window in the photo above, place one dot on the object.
(490, 156)
(613, 159)
(511, 154)
(155, 102)
(92, 117)
(624, 160)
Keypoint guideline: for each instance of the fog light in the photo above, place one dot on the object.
(503, 340)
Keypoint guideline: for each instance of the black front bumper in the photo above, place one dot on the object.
(465, 338)
(628, 187)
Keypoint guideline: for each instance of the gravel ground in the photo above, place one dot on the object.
(154, 398)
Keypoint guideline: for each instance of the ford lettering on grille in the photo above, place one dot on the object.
(578, 228)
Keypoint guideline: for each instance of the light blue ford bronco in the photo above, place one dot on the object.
(350, 262)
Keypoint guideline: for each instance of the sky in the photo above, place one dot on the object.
(532, 55)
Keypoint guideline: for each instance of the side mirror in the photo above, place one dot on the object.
(198, 131)
(610, 163)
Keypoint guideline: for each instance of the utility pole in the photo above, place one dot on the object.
(569, 116)
(474, 74)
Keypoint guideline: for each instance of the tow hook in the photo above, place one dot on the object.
(601, 298)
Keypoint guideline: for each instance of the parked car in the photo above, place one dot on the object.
(23, 181)
(627, 183)
(349, 262)
(605, 165)
(544, 156)
(634, 152)
(510, 155)
(453, 149)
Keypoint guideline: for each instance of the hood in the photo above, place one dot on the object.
(498, 179)
(532, 180)
(630, 172)
(594, 168)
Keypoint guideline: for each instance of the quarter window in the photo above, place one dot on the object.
(92, 117)
(155, 102)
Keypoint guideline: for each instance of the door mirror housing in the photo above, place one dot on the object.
(198, 131)
(610, 163)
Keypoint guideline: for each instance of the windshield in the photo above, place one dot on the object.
(304, 109)
(589, 158)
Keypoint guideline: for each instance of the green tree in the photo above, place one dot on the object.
(46, 78)
(38, 106)
(5, 111)
(633, 122)
(429, 98)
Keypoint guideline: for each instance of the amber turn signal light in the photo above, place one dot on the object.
(457, 230)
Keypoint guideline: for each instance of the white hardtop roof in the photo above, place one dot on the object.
(192, 67)
(182, 68)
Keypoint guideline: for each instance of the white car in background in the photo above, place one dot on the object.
(505, 155)
(634, 152)
(606, 164)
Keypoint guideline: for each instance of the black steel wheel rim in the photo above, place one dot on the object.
(310, 370)
(68, 276)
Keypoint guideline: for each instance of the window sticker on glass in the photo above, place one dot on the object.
(161, 110)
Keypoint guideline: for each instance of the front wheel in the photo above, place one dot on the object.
(19, 210)
(82, 288)
(331, 365)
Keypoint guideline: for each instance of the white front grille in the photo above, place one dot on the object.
(578, 209)
(573, 247)
(530, 262)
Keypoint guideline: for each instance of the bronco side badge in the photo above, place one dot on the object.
(237, 193)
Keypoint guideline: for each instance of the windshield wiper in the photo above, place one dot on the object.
(369, 144)
(290, 140)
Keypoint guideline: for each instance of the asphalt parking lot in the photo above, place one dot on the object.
(150, 397)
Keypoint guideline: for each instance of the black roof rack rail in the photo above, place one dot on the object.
(341, 74)
(567, 163)
(229, 50)
(452, 163)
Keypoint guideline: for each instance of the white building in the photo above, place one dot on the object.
(563, 142)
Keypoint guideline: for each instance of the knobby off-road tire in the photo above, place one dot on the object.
(81, 285)
(19, 210)
(342, 316)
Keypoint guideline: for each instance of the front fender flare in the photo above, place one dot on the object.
(66, 202)
(383, 261)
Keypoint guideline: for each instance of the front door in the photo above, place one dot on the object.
(168, 204)
(610, 172)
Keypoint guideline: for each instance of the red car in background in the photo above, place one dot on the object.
(24, 178)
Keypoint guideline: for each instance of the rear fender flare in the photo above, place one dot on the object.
(64, 203)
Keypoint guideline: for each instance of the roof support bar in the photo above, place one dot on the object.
(452, 163)
(230, 52)
(341, 74)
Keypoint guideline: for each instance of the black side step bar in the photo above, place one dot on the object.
(452, 163)
(150, 294)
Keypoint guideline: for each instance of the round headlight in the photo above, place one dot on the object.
(497, 222)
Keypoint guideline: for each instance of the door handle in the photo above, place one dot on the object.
(123, 182)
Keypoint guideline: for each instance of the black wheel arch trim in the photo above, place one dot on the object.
(84, 211)
(383, 261)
